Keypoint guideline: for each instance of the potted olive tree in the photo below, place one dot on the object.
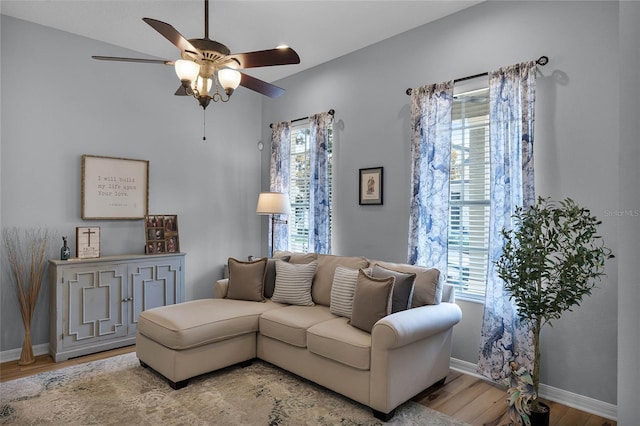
(552, 258)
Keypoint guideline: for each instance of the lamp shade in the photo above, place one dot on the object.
(229, 79)
(273, 203)
(187, 70)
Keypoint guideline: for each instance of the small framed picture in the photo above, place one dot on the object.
(371, 186)
(161, 234)
(87, 242)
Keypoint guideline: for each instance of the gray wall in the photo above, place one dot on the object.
(58, 103)
(576, 147)
(629, 226)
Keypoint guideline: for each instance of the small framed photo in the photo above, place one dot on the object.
(371, 186)
(87, 242)
(161, 234)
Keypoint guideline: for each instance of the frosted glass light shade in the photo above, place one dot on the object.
(187, 70)
(203, 86)
(273, 203)
(229, 79)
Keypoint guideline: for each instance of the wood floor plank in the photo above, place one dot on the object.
(467, 398)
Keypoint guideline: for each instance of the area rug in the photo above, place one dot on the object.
(118, 391)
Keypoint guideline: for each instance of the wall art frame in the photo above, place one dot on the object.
(370, 186)
(114, 188)
(161, 231)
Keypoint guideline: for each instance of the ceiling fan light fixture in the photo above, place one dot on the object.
(202, 86)
(187, 71)
(229, 80)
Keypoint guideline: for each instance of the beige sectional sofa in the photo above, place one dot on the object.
(340, 342)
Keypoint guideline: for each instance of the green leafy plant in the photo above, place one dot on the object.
(551, 260)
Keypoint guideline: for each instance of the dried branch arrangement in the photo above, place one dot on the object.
(25, 254)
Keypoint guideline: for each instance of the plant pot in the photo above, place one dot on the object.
(540, 418)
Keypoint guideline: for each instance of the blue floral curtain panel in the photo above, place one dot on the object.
(280, 171)
(512, 99)
(430, 155)
(319, 190)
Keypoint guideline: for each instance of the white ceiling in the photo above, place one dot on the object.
(318, 30)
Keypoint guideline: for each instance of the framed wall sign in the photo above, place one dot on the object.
(87, 242)
(371, 186)
(161, 232)
(114, 188)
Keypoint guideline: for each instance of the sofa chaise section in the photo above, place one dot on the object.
(188, 339)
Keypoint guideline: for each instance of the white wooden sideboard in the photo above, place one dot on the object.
(95, 303)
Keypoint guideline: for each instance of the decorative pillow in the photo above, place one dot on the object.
(428, 286)
(270, 278)
(402, 289)
(372, 300)
(270, 275)
(293, 283)
(246, 279)
(343, 289)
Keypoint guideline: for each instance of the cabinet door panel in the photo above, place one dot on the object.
(153, 285)
(93, 304)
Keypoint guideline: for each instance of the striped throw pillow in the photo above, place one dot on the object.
(343, 289)
(293, 283)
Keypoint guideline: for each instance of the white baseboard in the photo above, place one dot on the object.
(14, 354)
(570, 399)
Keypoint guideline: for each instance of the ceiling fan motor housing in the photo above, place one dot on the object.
(213, 55)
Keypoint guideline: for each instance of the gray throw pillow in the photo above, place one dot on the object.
(293, 283)
(402, 289)
(246, 279)
(372, 301)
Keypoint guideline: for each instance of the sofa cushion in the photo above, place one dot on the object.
(289, 324)
(327, 264)
(293, 283)
(246, 279)
(270, 274)
(402, 288)
(343, 289)
(427, 289)
(372, 301)
(337, 340)
(199, 322)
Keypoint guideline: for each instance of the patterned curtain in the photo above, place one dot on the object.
(430, 154)
(320, 234)
(280, 171)
(512, 99)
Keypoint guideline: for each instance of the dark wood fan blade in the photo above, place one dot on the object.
(171, 34)
(144, 61)
(260, 86)
(267, 58)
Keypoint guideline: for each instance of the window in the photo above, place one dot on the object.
(300, 177)
(469, 194)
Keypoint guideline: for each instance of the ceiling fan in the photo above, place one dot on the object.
(207, 64)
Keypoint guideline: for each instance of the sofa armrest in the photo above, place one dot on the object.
(220, 288)
(405, 327)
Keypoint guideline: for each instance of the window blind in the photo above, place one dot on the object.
(469, 193)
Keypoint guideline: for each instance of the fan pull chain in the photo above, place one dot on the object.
(204, 125)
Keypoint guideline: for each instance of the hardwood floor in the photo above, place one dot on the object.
(464, 397)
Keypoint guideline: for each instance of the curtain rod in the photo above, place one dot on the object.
(542, 61)
(330, 112)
